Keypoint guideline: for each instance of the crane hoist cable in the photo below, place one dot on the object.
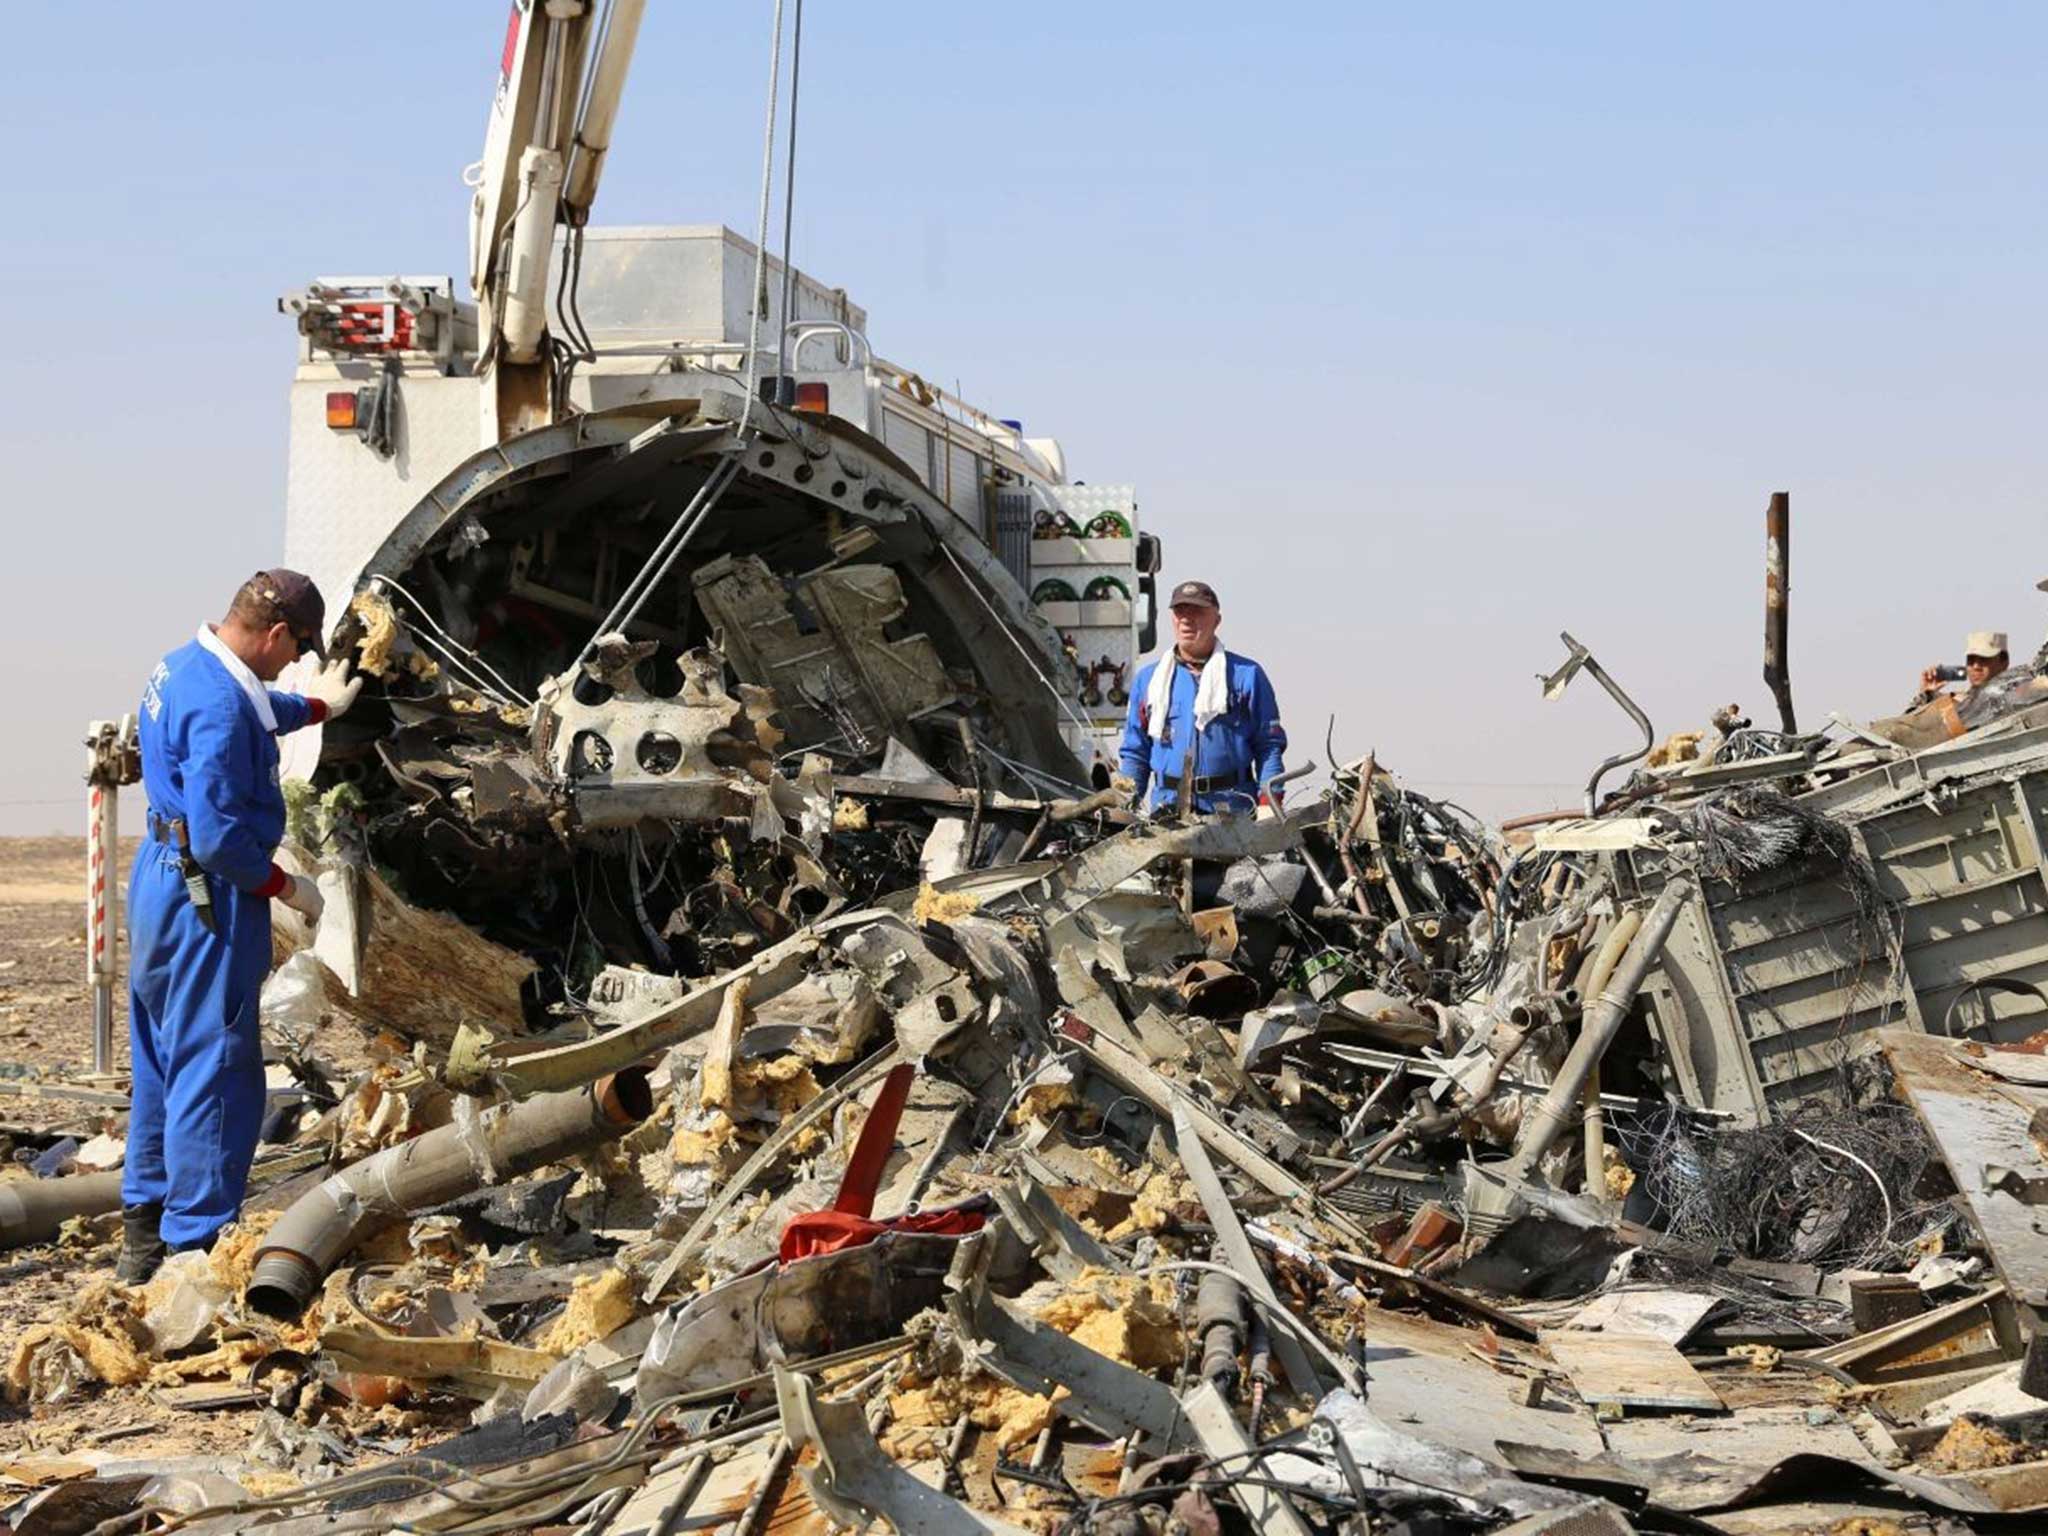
(761, 237)
(796, 64)
(701, 505)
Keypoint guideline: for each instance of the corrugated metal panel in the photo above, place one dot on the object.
(907, 440)
(1014, 515)
(966, 488)
(1783, 978)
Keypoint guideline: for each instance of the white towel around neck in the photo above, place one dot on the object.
(1212, 693)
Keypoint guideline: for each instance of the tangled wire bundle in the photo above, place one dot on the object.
(1834, 1189)
(1752, 829)
(1746, 832)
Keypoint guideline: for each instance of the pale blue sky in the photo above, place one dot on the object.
(1424, 331)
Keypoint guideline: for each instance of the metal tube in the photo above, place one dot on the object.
(1600, 969)
(783, 352)
(1547, 1121)
(325, 1222)
(1592, 1118)
(797, 332)
(657, 567)
(1593, 1123)
(1554, 684)
(1778, 604)
(764, 1490)
(522, 289)
(102, 850)
(32, 1210)
(1642, 720)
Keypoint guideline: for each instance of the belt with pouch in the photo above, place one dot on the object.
(172, 832)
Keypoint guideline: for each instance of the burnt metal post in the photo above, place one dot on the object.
(1777, 602)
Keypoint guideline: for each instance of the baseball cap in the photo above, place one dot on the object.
(1985, 642)
(298, 603)
(1195, 594)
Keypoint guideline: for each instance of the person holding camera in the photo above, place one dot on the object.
(1985, 655)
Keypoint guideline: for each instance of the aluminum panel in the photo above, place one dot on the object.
(341, 500)
(1783, 982)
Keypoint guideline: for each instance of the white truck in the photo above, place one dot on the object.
(407, 395)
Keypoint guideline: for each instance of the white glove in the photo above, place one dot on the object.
(302, 895)
(1267, 811)
(332, 686)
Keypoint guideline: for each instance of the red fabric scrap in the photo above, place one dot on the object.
(817, 1232)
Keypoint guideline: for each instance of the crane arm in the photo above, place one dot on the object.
(617, 38)
(544, 151)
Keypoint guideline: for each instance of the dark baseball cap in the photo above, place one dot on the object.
(298, 603)
(1195, 594)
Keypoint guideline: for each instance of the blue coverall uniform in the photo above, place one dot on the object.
(1238, 754)
(209, 757)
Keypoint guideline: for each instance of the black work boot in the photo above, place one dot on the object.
(142, 1247)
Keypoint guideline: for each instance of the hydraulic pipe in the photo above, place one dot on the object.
(607, 84)
(1541, 1008)
(327, 1221)
(1592, 1118)
(1602, 1022)
(1600, 968)
(1593, 1125)
(522, 288)
(31, 1210)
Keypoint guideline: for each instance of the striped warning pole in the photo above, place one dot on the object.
(105, 770)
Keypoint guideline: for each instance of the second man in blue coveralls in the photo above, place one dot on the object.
(1196, 694)
(199, 909)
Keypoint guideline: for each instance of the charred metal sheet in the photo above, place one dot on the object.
(627, 755)
(844, 678)
(1034, 1357)
(853, 1481)
(775, 970)
(1066, 1248)
(1086, 877)
(1982, 1125)
(1224, 1438)
(476, 1365)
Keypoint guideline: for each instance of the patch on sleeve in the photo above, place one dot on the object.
(152, 694)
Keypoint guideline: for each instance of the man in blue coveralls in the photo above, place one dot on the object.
(199, 909)
(1196, 694)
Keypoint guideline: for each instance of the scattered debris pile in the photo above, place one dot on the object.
(674, 1131)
